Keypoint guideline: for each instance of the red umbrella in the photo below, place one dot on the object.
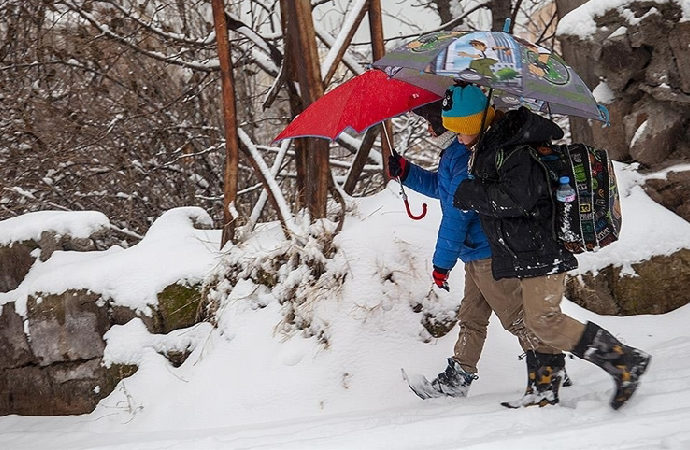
(359, 103)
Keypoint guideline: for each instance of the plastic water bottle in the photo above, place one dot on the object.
(565, 193)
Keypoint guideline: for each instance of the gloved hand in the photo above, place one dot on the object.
(397, 166)
(440, 277)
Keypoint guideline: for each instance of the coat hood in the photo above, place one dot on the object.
(520, 127)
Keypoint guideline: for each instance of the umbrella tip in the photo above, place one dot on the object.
(506, 26)
(603, 110)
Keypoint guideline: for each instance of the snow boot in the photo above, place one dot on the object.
(545, 374)
(624, 363)
(454, 381)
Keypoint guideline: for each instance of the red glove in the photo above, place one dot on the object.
(441, 277)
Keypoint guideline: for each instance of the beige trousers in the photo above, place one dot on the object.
(541, 299)
(484, 294)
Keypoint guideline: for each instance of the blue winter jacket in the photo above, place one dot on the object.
(460, 234)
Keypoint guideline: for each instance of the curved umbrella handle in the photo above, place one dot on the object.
(412, 216)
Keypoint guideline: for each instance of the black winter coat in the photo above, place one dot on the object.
(512, 194)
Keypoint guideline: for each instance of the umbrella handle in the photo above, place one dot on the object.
(407, 203)
(412, 216)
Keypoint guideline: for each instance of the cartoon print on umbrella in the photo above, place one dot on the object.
(519, 72)
(543, 63)
(428, 42)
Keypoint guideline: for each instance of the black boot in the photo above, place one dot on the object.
(545, 373)
(454, 381)
(624, 363)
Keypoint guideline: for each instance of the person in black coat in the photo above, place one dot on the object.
(512, 192)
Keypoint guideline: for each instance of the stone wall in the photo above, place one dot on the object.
(51, 360)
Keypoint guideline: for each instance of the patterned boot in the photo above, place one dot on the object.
(454, 381)
(624, 363)
(545, 374)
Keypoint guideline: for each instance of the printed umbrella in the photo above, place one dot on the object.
(359, 103)
(521, 73)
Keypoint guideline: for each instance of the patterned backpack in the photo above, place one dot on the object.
(594, 219)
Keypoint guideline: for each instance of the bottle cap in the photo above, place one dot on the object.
(564, 180)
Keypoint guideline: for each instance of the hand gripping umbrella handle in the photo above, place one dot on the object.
(402, 190)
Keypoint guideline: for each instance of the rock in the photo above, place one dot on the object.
(14, 346)
(594, 292)
(66, 327)
(658, 286)
(15, 261)
(679, 40)
(620, 63)
(653, 130)
(61, 389)
(438, 325)
(614, 136)
(17, 258)
(177, 357)
(48, 243)
(673, 192)
(177, 308)
(59, 370)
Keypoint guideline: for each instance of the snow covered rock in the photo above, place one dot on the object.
(58, 307)
(37, 235)
(659, 285)
(640, 51)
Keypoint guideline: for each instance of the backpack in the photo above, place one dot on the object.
(594, 219)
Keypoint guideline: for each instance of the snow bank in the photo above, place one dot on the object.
(79, 224)
(173, 250)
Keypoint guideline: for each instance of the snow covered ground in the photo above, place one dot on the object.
(251, 384)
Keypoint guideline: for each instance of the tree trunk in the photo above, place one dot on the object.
(500, 11)
(378, 50)
(230, 123)
(296, 107)
(301, 30)
(443, 10)
(360, 160)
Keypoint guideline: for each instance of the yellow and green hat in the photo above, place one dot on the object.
(463, 108)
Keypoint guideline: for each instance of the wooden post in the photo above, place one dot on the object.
(296, 104)
(378, 50)
(229, 120)
(360, 160)
(301, 28)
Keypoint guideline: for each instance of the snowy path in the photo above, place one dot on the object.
(658, 417)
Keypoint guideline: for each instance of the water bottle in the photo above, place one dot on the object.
(564, 193)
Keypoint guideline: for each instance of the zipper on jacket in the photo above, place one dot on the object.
(523, 210)
(554, 212)
(505, 240)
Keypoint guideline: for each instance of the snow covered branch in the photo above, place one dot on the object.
(269, 181)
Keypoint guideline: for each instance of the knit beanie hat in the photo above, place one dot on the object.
(463, 108)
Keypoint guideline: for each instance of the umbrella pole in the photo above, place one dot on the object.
(481, 127)
(548, 108)
(402, 189)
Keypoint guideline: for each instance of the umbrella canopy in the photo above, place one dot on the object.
(521, 73)
(359, 103)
